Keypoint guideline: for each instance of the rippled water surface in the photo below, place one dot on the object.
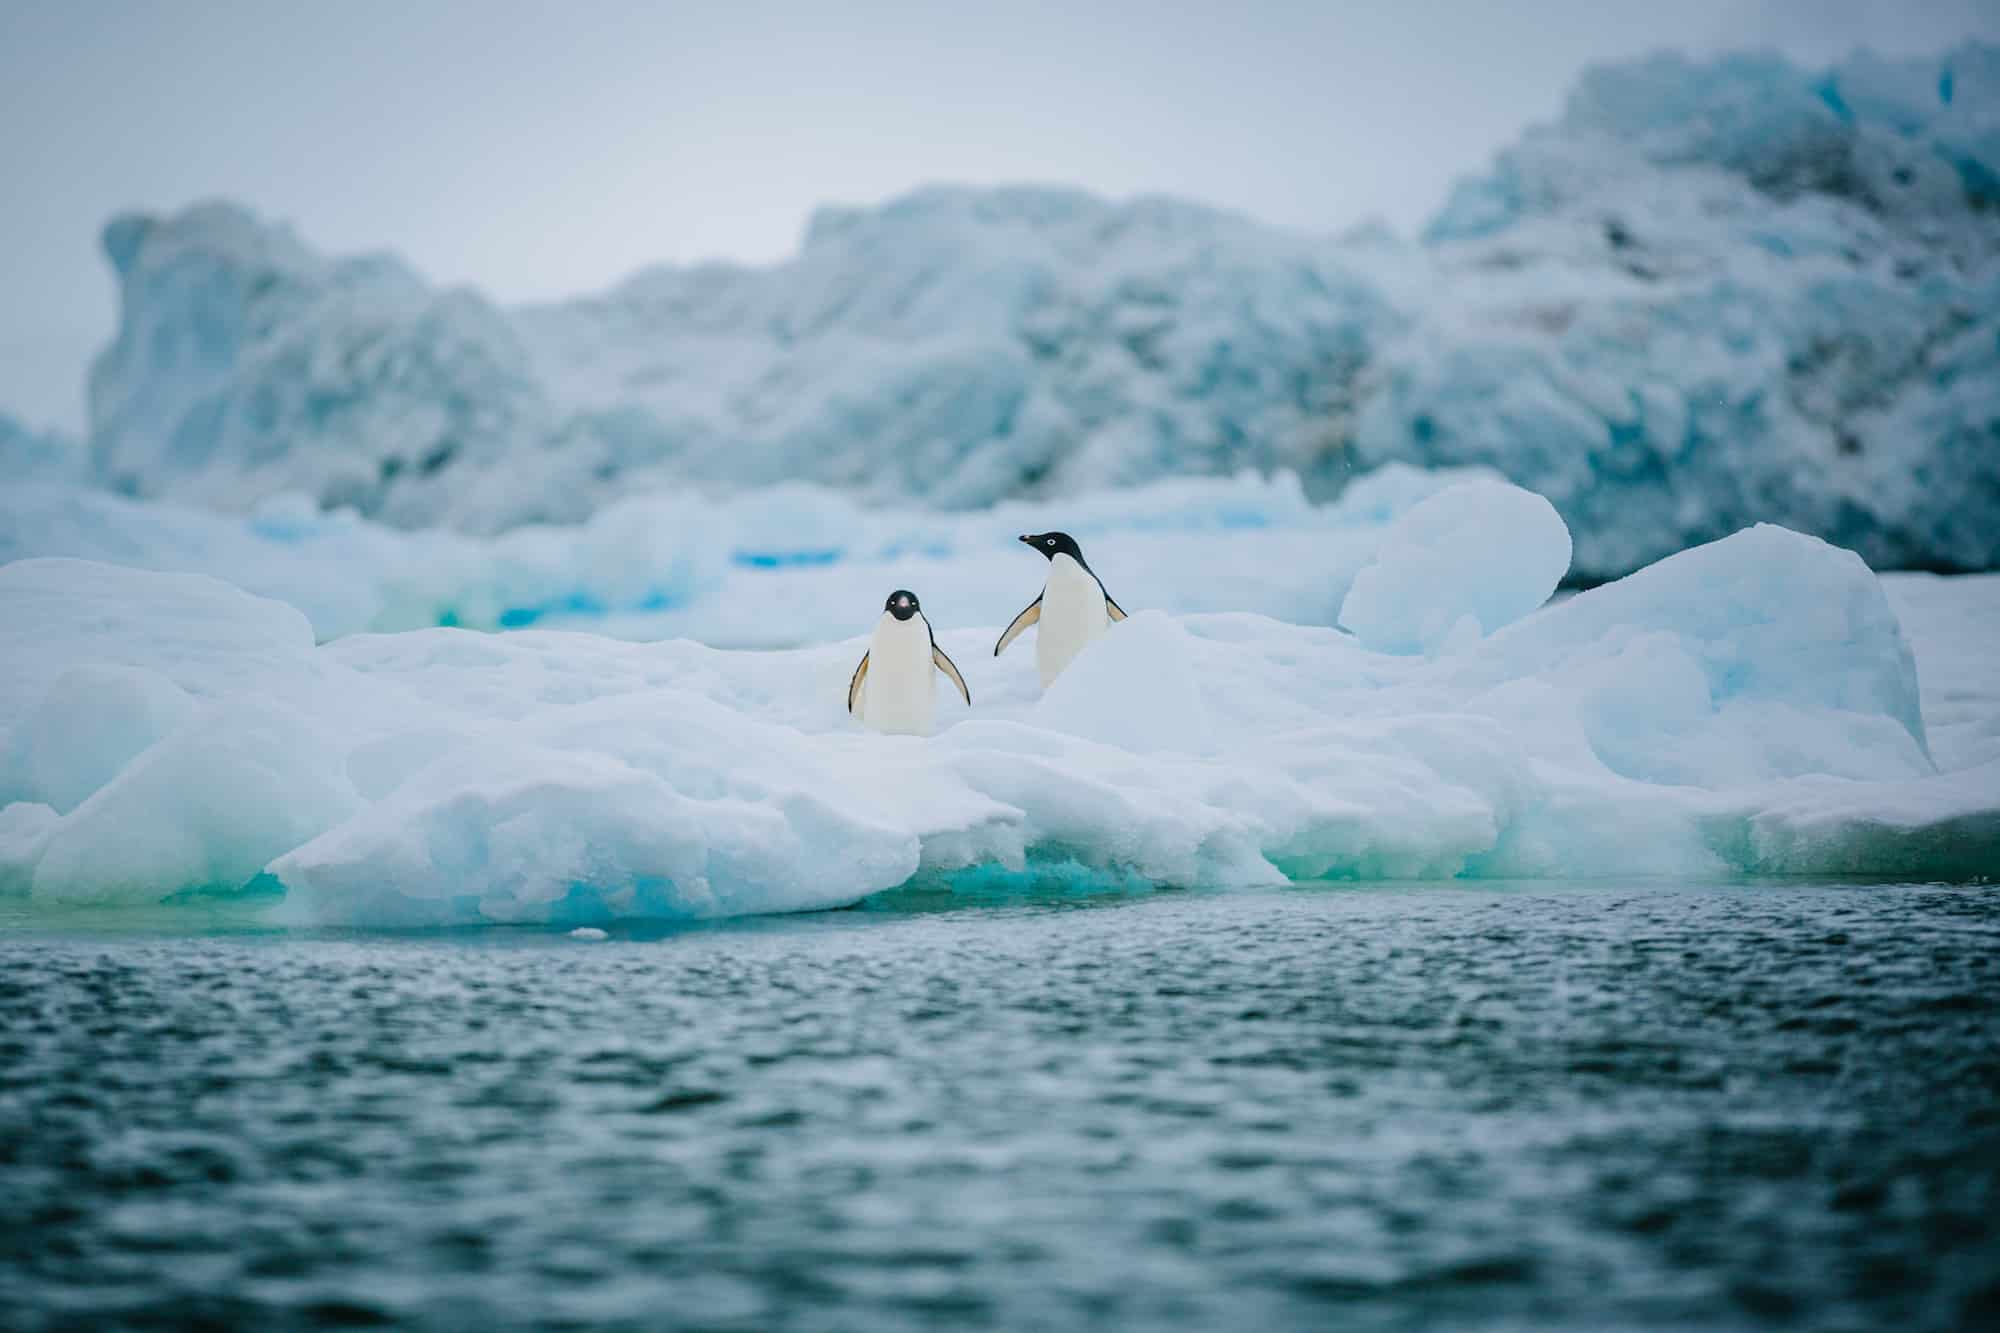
(1516, 1107)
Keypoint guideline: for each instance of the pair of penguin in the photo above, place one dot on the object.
(891, 690)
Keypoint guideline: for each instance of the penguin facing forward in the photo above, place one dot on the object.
(1073, 609)
(891, 690)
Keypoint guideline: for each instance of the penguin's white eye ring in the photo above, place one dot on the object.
(1052, 541)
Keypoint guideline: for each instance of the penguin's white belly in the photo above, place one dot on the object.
(899, 695)
(1073, 614)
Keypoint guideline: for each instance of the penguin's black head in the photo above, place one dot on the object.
(1053, 544)
(902, 604)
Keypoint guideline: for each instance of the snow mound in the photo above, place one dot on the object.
(1459, 565)
(1751, 706)
(1136, 688)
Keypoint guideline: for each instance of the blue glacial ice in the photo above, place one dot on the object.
(1749, 706)
(1709, 294)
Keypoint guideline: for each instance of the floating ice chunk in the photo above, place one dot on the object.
(1750, 706)
(520, 832)
(1134, 688)
(1483, 549)
(1949, 825)
(589, 933)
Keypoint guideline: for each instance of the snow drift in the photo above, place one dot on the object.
(1751, 706)
(1710, 294)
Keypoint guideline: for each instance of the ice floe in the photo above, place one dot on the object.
(1748, 707)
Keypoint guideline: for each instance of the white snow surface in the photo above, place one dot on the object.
(1750, 706)
(1711, 293)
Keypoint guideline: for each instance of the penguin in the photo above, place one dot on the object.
(891, 689)
(1072, 610)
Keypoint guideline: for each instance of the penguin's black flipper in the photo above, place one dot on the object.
(950, 668)
(1117, 611)
(854, 686)
(1028, 616)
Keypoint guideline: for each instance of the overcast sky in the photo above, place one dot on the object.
(543, 149)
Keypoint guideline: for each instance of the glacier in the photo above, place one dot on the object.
(1760, 705)
(1710, 293)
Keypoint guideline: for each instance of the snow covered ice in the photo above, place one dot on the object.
(1751, 706)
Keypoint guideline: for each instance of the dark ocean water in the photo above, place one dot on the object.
(1464, 1107)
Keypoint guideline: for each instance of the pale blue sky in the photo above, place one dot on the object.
(542, 149)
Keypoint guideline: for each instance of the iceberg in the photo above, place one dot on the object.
(955, 346)
(1712, 293)
(245, 365)
(1750, 707)
(1720, 292)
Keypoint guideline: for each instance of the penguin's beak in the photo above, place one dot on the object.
(1024, 537)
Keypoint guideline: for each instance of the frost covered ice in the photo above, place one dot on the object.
(1710, 293)
(1751, 706)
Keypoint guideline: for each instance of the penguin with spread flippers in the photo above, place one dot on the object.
(1073, 609)
(892, 690)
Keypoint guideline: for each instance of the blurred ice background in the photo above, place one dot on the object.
(1711, 291)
